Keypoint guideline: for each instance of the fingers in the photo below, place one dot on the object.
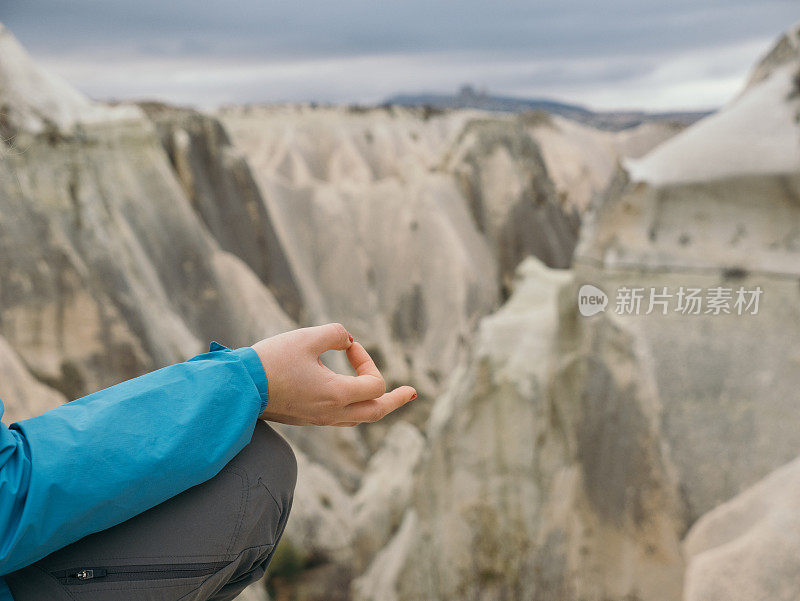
(367, 384)
(330, 337)
(361, 361)
(375, 409)
(352, 389)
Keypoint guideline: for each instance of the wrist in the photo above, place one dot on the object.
(255, 368)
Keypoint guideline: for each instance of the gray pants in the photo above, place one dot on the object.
(207, 543)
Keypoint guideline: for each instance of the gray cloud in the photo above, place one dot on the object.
(589, 51)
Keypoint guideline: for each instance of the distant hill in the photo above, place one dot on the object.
(468, 97)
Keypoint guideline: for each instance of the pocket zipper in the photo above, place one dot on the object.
(137, 572)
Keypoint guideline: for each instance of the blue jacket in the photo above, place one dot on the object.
(100, 460)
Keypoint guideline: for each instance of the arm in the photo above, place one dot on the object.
(99, 460)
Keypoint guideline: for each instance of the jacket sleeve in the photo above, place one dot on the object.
(95, 462)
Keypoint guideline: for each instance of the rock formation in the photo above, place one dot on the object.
(37, 101)
(352, 198)
(569, 456)
(544, 476)
(458, 198)
(22, 394)
(499, 167)
(748, 548)
(107, 270)
(218, 183)
(718, 205)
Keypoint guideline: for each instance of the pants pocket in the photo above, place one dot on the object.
(130, 573)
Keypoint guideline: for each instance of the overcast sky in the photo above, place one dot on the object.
(653, 54)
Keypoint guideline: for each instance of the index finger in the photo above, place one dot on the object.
(361, 361)
(368, 382)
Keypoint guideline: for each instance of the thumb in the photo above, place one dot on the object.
(330, 337)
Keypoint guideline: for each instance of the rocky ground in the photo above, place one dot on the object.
(549, 456)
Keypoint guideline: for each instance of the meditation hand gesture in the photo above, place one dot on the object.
(303, 391)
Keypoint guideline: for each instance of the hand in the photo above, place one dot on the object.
(302, 391)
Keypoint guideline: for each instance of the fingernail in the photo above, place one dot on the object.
(413, 396)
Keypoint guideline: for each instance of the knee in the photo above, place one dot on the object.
(270, 461)
(269, 467)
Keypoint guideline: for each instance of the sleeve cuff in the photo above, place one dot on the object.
(254, 367)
